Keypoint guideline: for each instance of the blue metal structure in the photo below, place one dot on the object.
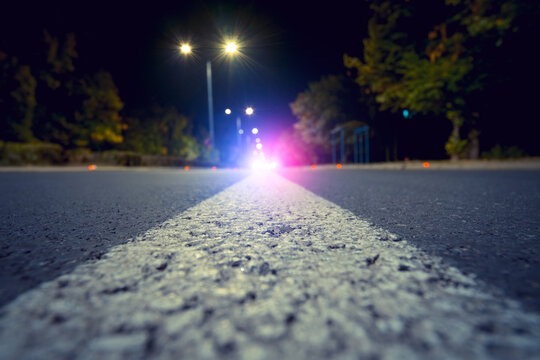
(361, 145)
(342, 140)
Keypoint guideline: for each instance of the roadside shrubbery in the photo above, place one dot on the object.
(12, 153)
(507, 152)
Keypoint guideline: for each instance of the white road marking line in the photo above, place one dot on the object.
(266, 269)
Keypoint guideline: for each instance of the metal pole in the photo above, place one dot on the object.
(333, 134)
(210, 109)
(342, 133)
(238, 135)
(355, 150)
(367, 144)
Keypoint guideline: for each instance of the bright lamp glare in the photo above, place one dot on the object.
(240, 131)
(228, 111)
(259, 146)
(263, 164)
(185, 48)
(231, 47)
(258, 140)
(254, 131)
(249, 111)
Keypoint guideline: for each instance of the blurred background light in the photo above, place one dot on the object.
(185, 48)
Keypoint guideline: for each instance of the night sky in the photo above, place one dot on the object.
(285, 45)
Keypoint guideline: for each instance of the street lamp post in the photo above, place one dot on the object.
(230, 48)
(239, 131)
(210, 109)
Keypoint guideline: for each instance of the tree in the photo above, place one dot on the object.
(162, 131)
(57, 95)
(17, 100)
(439, 71)
(332, 101)
(98, 122)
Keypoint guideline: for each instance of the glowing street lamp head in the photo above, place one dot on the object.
(185, 48)
(249, 110)
(231, 47)
(254, 131)
(228, 111)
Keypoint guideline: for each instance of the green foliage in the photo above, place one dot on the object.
(12, 153)
(498, 152)
(120, 158)
(439, 74)
(324, 105)
(161, 131)
(99, 121)
(79, 113)
(57, 96)
(17, 100)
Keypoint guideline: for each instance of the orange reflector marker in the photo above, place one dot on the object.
(313, 166)
(426, 164)
(338, 166)
(92, 167)
(186, 168)
(214, 168)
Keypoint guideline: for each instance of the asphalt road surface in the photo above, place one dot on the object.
(52, 221)
(164, 265)
(484, 222)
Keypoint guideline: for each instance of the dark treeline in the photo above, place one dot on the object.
(436, 79)
(46, 98)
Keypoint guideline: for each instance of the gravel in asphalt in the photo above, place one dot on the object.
(483, 222)
(52, 221)
(266, 270)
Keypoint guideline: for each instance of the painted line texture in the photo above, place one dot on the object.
(264, 270)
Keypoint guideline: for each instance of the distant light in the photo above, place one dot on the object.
(263, 164)
(92, 167)
(339, 166)
(254, 131)
(405, 113)
(231, 47)
(186, 168)
(228, 111)
(313, 166)
(426, 164)
(259, 146)
(214, 168)
(240, 131)
(249, 110)
(255, 153)
(185, 48)
(261, 154)
(258, 140)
